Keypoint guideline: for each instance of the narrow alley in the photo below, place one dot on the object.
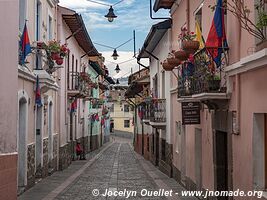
(114, 167)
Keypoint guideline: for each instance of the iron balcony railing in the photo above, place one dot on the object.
(201, 75)
(158, 110)
(77, 83)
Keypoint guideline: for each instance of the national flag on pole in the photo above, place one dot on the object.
(25, 47)
(199, 36)
(38, 99)
(216, 38)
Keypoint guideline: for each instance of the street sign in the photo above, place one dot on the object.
(190, 113)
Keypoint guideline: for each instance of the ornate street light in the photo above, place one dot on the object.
(117, 82)
(117, 69)
(115, 54)
(111, 16)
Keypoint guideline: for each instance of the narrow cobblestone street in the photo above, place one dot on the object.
(115, 167)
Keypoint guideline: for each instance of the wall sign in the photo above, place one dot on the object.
(190, 113)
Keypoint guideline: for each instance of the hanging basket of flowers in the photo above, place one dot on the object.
(188, 43)
(166, 66)
(190, 46)
(181, 55)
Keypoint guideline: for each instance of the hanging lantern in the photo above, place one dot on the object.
(111, 16)
(115, 54)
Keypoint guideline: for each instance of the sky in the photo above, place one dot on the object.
(132, 15)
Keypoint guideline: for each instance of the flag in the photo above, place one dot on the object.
(199, 36)
(38, 99)
(216, 38)
(73, 106)
(25, 47)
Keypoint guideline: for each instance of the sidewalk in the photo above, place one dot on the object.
(57, 179)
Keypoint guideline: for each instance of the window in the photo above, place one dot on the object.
(22, 14)
(126, 123)
(38, 20)
(147, 143)
(50, 28)
(126, 108)
(163, 149)
(178, 136)
(112, 108)
(198, 15)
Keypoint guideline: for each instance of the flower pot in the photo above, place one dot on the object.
(59, 61)
(174, 61)
(214, 85)
(55, 56)
(190, 46)
(40, 44)
(181, 55)
(167, 67)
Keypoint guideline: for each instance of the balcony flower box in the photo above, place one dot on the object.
(190, 46)
(181, 55)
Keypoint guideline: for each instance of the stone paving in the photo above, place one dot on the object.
(116, 167)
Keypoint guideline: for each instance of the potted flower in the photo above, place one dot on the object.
(214, 82)
(53, 49)
(188, 43)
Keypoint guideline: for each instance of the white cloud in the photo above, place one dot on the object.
(81, 4)
(125, 67)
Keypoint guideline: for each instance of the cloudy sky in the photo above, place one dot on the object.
(132, 15)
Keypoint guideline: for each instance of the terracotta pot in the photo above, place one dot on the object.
(190, 46)
(167, 67)
(55, 56)
(174, 61)
(181, 55)
(59, 61)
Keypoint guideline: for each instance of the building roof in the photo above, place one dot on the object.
(110, 80)
(96, 67)
(156, 33)
(79, 31)
(166, 4)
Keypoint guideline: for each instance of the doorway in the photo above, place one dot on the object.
(221, 169)
(50, 132)
(157, 147)
(198, 158)
(39, 141)
(22, 145)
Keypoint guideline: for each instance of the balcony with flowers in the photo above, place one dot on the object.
(80, 85)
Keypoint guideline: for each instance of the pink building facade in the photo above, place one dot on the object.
(226, 150)
(8, 105)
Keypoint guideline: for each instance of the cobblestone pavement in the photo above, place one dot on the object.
(116, 167)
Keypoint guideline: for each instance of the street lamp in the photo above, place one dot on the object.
(115, 54)
(111, 16)
(117, 69)
(117, 82)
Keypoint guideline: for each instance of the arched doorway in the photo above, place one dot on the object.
(22, 143)
(39, 141)
(50, 132)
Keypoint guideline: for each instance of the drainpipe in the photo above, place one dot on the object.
(187, 15)
(237, 76)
